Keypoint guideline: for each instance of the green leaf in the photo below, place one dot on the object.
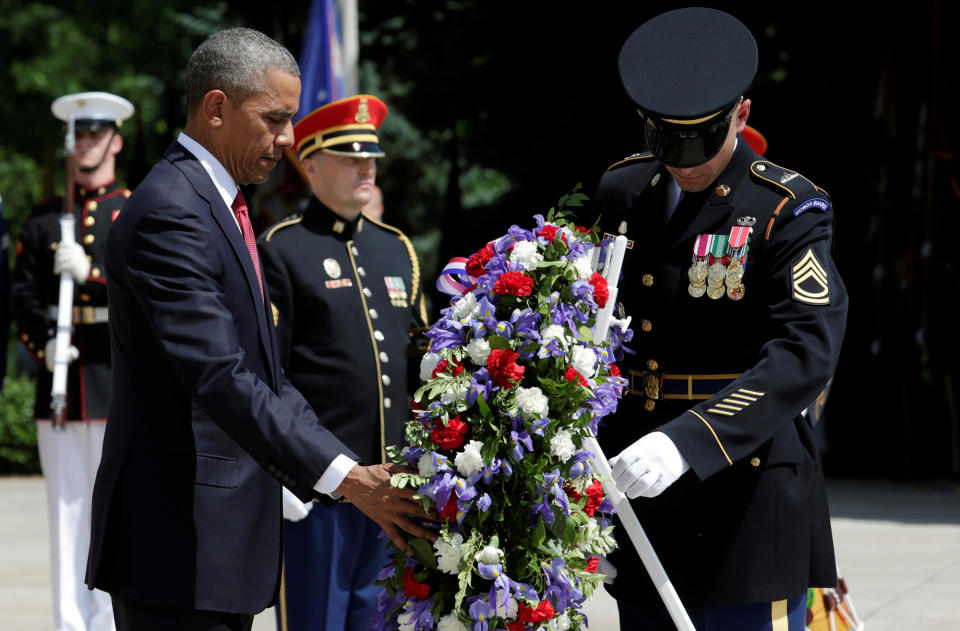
(586, 334)
(423, 552)
(498, 342)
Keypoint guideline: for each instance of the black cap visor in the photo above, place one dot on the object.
(682, 145)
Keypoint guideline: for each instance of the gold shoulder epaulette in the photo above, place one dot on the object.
(414, 261)
(783, 180)
(634, 158)
(290, 221)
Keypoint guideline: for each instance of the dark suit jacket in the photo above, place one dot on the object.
(203, 426)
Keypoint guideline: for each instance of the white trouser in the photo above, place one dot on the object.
(69, 460)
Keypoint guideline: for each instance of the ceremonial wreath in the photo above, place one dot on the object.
(514, 381)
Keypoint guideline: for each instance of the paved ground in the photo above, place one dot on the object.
(898, 545)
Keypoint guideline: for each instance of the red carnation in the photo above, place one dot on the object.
(542, 613)
(513, 283)
(571, 492)
(592, 565)
(594, 498)
(450, 510)
(516, 625)
(413, 587)
(582, 229)
(612, 370)
(451, 435)
(548, 232)
(600, 290)
(571, 374)
(503, 369)
(452, 368)
(476, 264)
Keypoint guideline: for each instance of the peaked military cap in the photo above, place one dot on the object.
(92, 111)
(686, 70)
(347, 127)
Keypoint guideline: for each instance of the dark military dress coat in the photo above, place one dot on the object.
(726, 378)
(346, 296)
(35, 292)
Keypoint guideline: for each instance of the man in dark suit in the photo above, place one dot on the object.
(739, 313)
(204, 427)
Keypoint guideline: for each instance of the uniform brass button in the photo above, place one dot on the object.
(383, 357)
(95, 272)
(722, 191)
(101, 190)
(386, 402)
(385, 379)
(355, 251)
(40, 354)
(25, 337)
(88, 239)
(649, 404)
(755, 462)
(85, 297)
(378, 335)
(91, 205)
(361, 271)
(652, 364)
(367, 292)
(646, 325)
(30, 346)
(53, 246)
(761, 167)
(89, 221)
(647, 280)
(373, 314)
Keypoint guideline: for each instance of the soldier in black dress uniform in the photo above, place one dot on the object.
(70, 458)
(739, 313)
(346, 295)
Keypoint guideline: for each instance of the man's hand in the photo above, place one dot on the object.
(70, 257)
(392, 508)
(647, 467)
(51, 349)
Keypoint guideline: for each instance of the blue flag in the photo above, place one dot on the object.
(321, 59)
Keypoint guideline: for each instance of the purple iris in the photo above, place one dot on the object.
(526, 323)
(439, 487)
(604, 401)
(481, 611)
(584, 291)
(619, 337)
(581, 464)
(480, 385)
(387, 572)
(440, 463)
(539, 425)
(542, 508)
(386, 602)
(562, 313)
(560, 588)
(446, 333)
(484, 503)
(519, 438)
(417, 612)
(552, 348)
(412, 455)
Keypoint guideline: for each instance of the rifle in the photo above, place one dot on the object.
(61, 357)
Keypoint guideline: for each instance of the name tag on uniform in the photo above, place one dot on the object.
(340, 282)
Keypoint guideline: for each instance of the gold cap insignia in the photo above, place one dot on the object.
(363, 112)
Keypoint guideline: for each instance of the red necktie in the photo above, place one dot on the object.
(243, 218)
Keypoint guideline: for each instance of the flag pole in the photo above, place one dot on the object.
(628, 518)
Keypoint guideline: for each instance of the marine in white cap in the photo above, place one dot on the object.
(70, 458)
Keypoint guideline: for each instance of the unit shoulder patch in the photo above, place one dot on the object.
(637, 157)
(783, 180)
(811, 284)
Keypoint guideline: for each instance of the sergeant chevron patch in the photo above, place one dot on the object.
(810, 281)
(736, 402)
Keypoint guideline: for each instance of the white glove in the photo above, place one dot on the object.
(647, 467)
(51, 349)
(70, 257)
(604, 566)
(293, 508)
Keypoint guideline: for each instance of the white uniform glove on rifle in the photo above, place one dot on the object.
(51, 349)
(293, 508)
(647, 467)
(71, 258)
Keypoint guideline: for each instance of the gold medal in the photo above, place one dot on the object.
(734, 273)
(736, 293)
(714, 291)
(697, 290)
(697, 273)
(716, 273)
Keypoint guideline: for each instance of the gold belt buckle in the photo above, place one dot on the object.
(84, 315)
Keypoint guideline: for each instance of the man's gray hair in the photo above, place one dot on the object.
(236, 61)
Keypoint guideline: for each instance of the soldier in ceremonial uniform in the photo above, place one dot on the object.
(346, 294)
(738, 313)
(70, 457)
(4, 296)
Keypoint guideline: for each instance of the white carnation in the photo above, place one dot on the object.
(560, 623)
(489, 555)
(508, 611)
(583, 266)
(448, 554)
(584, 361)
(466, 307)
(425, 465)
(524, 254)
(457, 392)
(469, 461)
(451, 622)
(561, 445)
(427, 364)
(532, 402)
(479, 350)
(555, 332)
